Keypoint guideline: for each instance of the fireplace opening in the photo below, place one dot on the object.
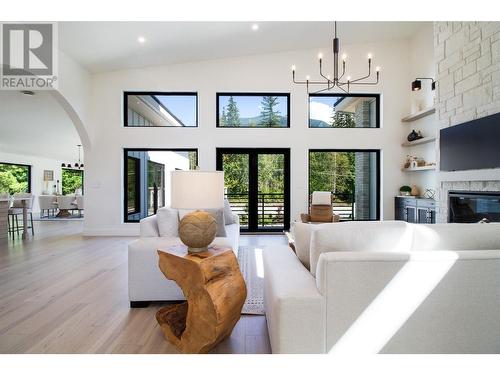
(473, 206)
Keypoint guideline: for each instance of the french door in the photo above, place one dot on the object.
(257, 185)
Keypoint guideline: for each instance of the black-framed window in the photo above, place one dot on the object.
(253, 110)
(160, 109)
(344, 110)
(15, 178)
(353, 177)
(72, 180)
(146, 181)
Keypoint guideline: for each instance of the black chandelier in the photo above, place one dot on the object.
(78, 165)
(338, 81)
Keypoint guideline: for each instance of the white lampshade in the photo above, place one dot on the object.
(197, 189)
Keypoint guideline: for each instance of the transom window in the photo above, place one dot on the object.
(253, 110)
(161, 109)
(344, 111)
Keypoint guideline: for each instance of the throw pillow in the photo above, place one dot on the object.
(228, 213)
(168, 222)
(218, 214)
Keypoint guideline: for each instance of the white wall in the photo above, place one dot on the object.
(104, 164)
(38, 165)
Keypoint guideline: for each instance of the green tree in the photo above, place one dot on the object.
(269, 116)
(236, 173)
(233, 113)
(193, 163)
(271, 173)
(13, 178)
(342, 119)
(332, 171)
(71, 180)
(223, 117)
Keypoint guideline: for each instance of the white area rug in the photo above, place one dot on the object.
(252, 268)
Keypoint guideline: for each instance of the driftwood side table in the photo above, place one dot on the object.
(215, 292)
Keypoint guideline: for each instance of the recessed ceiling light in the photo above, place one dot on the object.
(255, 27)
(141, 39)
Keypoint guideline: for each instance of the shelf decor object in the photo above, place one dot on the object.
(197, 190)
(337, 80)
(419, 114)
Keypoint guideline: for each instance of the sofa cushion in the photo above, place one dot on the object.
(228, 213)
(149, 227)
(218, 214)
(456, 236)
(374, 236)
(301, 233)
(168, 222)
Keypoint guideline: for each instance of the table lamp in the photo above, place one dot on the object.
(197, 190)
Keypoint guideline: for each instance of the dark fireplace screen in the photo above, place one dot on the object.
(473, 207)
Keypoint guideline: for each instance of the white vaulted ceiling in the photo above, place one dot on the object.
(107, 46)
(36, 125)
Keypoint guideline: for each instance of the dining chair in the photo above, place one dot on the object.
(17, 209)
(47, 203)
(79, 204)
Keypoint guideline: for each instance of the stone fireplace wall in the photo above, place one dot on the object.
(467, 58)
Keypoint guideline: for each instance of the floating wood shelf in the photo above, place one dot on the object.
(420, 141)
(424, 168)
(419, 114)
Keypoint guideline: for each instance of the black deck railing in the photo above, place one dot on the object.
(270, 209)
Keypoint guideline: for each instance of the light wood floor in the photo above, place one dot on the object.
(61, 292)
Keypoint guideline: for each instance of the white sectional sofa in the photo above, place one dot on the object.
(146, 283)
(385, 287)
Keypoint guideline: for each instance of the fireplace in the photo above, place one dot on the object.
(473, 206)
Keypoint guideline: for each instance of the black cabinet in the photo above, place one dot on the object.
(415, 210)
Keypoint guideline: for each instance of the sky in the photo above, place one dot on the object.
(321, 107)
(250, 106)
(181, 106)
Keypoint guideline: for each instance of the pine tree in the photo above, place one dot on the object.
(233, 113)
(223, 117)
(269, 116)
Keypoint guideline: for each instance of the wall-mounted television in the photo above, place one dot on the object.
(471, 145)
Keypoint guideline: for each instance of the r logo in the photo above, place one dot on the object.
(27, 49)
